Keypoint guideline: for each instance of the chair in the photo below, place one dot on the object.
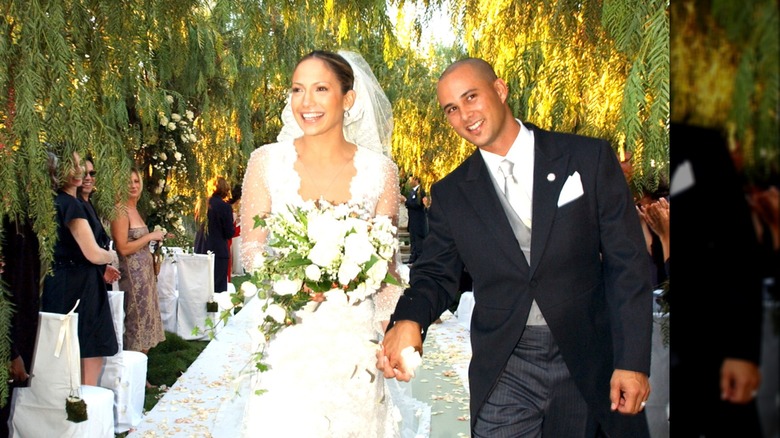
(39, 410)
(124, 373)
(168, 293)
(195, 275)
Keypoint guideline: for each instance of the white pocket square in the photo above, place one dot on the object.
(682, 179)
(572, 189)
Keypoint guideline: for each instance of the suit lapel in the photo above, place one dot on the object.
(480, 193)
(550, 166)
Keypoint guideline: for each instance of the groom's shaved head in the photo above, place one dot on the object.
(479, 66)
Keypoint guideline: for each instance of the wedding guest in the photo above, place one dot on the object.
(418, 217)
(719, 289)
(77, 270)
(85, 192)
(132, 238)
(219, 230)
(20, 272)
(546, 225)
(653, 210)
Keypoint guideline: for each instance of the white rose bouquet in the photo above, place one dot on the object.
(337, 250)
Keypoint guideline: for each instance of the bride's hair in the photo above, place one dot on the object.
(369, 123)
(337, 64)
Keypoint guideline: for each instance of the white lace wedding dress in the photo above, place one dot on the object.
(323, 380)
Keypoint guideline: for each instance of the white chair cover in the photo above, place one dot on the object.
(124, 373)
(195, 273)
(168, 293)
(39, 410)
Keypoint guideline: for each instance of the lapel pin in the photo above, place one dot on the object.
(551, 177)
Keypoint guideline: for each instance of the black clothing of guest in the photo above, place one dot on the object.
(220, 230)
(21, 276)
(418, 220)
(718, 291)
(101, 237)
(75, 278)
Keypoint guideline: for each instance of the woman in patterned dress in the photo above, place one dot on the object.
(143, 323)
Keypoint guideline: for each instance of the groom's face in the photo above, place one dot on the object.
(474, 105)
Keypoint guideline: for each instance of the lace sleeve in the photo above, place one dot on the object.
(256, 201)
(388, 205)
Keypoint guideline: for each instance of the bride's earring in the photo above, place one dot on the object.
(346, 113)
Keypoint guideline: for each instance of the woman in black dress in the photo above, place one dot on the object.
(77, 270)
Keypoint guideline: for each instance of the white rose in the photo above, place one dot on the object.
(169, 98)
(322, 225)
(360, 292)
(313, 273)
(161, 182)
(357, 248)
(157, 190)
(175, 117)
(286, 286)
(163, 156)
(193, 139)
(325, 252)
(177, 155)
(258, 261)
(171, 126)
(348, 271)
(336, 296)
(248, 289)
(378, 271)
(276, 312)
(185, 138)
(163, 120)
(189, 114)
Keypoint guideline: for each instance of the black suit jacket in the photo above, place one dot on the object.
(588, 270)
(717, 291)
(418, 220)
(220, 227)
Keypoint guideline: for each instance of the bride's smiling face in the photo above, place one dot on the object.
(317, 100)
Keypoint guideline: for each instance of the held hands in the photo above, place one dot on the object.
(628, 391)
(390, 358)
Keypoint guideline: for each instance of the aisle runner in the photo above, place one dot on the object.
(190, 407)
(442, 379)
(454, 346)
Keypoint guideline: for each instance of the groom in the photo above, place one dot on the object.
(562, 323)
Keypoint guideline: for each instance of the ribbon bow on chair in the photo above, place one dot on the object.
(75, 407)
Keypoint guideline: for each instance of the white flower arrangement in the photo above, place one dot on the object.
(169, 156)
(339, 251)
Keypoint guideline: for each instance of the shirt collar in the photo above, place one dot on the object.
(521, 153)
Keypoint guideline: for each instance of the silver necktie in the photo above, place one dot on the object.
(517, 197)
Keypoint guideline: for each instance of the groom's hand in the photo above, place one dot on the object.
(389, 359)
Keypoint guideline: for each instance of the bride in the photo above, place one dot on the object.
(334, 146)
